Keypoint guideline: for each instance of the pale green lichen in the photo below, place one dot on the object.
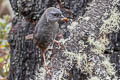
(111, 24)
(100, 44)
(73, 25)
(94, 78)
(109, 67)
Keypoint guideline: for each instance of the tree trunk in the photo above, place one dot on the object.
(86, 46)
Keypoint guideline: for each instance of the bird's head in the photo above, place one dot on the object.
(54, 15)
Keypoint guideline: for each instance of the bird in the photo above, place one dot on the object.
(46, 30)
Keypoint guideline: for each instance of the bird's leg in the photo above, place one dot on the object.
(59, 36)
(46, 66)
(44, 59)
(30, 36)
(57, 42)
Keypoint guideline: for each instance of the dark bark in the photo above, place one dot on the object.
(78, 59)
(25, 57)
(114, 50)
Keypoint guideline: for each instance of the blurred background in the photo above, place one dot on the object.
(6, 16)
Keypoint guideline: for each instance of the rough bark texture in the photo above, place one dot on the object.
(87, 37)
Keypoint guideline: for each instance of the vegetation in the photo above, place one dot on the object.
(4, 46)
(5, 25)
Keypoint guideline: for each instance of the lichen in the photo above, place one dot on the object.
(94, 59)
(94, 78)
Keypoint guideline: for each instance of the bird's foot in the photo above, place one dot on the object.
(57, 42)
(30, 36)
(48, 70)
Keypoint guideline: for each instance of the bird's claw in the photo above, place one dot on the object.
(48, 70)
(57, 42)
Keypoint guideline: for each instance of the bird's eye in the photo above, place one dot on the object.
(57, 15)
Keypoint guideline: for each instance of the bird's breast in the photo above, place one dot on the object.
(45, 35)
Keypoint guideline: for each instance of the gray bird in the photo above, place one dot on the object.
(47, 29)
